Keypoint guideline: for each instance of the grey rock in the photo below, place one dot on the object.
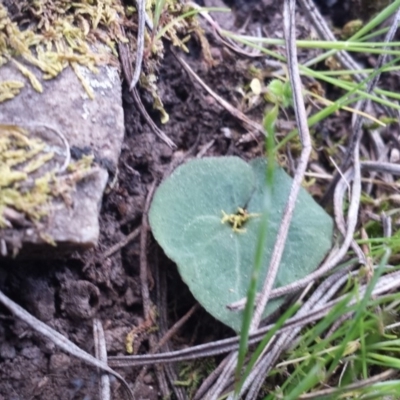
(97, 125)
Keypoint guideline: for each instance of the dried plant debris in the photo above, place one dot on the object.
(176, 24)
(33, 172)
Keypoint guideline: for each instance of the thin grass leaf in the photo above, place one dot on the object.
(269, 125)
(359, 313)
(159, 6)
(263, 344)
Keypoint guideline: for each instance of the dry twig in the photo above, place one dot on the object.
(122, 243)
(61, 341)
(141, 12)
(126, 64)
(248, 123)
(387, 283)
(100, 352)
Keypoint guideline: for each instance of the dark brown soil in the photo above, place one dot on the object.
(68, 293)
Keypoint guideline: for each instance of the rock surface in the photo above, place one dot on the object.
(90, 126)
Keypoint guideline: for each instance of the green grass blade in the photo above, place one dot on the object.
(269, 124)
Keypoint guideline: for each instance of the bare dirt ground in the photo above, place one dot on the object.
(68, 293)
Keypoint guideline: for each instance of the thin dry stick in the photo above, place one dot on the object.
(147, 304)
(128, 74)
(387, 283)
(338, 203)
(206, 384)
(218, 33)
(364, 167)
(248, 123)
(174, 328)
(129, 238)
(141, 12)
(151, 123)
(381, 151)
(100, 352)
(325, 33)
(387, 225)
(161, 287)
(259, 374)
(380, 166)
(61, 341)
(144, 279)
(225, 377)
(301, 119)
(357, 129)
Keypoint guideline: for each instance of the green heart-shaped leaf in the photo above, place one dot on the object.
(215, 258)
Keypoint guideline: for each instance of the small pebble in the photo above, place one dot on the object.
(59, 362)
(148, 379)
(31, 353)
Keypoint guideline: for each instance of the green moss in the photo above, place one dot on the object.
(52, 34)
(29, 180)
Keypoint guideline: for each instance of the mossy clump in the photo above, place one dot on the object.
(53, 34)
(30, 178)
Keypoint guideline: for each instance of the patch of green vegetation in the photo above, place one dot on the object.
(191, 374)
(331, 363)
